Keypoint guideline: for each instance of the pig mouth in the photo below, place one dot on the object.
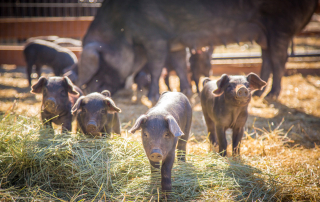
(242, 101)
(50, 109)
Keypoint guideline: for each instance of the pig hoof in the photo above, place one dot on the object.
(272, 95)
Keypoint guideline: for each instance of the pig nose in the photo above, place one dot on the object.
(92, 126)
(156, 155)
(242, 92)
(50, 103)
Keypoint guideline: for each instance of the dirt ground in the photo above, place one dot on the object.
(298, 107)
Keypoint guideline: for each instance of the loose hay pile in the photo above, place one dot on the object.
(37, 165)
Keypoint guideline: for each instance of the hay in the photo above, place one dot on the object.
(37, 165)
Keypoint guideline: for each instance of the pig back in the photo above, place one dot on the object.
(177, 105)
(207, 97)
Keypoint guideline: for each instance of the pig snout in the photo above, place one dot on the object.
(50, 104)
(92, 126)
(242, 92)
(156, 155)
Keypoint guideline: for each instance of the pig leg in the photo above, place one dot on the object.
(236, 139)
(182, 146)
(66, 126)
(196, 80)
(57, 71)
(221, 133)
(166, 80)
(156, 54)
(29, 71)
(211, 129)
(178, 62)
(38, 70)
(166, 172)
(116, 124)
(279, 56)
(265, 68)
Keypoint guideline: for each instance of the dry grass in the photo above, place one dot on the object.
(280, 158)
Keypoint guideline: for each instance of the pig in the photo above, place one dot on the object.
(97, 114)
(163, 126)
(165, 28)
(225, 105)
(39, 52)
(200, 64)
(59, 94)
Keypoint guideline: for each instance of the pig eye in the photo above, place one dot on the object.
(167, 135)
(145, 135)
(44, 91)
(103, 111)
(63, 93)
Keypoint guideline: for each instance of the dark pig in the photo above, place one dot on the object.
(225, 105)
(39, 52)
(59, 94)
(200, 64)
(97, 113)
(163, 126)
(165, 28)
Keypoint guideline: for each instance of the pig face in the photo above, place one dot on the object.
(159, 135)
(237, 90)
(55, 91)
(92, 111)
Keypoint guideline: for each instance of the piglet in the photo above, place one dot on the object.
(163, 126)
(58, 96)
(97, 114)
(225, 105)
(39, 53)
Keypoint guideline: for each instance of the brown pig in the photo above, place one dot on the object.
(58, 96)
(225, 105)
(97, 114)
(163, 127)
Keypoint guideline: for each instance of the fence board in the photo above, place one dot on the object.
(23, 28)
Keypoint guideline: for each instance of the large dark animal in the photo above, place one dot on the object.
(58, 97)
(163, 126)
(39, 52)
(225, 105)
(158, 27)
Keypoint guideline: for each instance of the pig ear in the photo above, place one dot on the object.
(205, 80)
(112, 108)
(221, 84)
(70, 85)
(141, 120)
(76, 106)
(255, 82)
(37, 87)
(106, 93)
(173, 126)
